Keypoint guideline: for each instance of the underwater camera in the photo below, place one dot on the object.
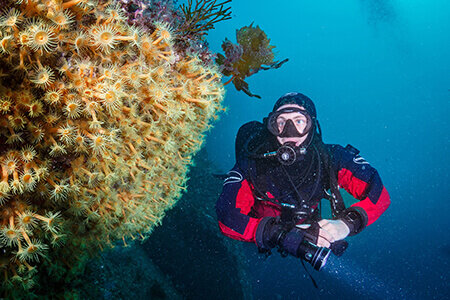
(300, 242)
(315, 255)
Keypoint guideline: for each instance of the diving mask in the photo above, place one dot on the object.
(289, 122)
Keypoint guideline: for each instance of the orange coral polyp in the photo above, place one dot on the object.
(11, 164)
(164, 32)
(37, 133)
(42, 37)
(73, 109)
(10, 18)
(97, 143)
(112, 103)
(24, 38)
(79, 42)
(5, 104)
(6, 44)
(35, 109)
(28, 153)
(26, 219)
(53, 96)
(78, 83)
(63, 18)
(123, 100)
(11, 234)
(103, 37)
(43, 76)
(17, 121)
(27, 178)
(66, 134)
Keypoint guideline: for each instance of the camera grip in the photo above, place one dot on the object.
(338, 248)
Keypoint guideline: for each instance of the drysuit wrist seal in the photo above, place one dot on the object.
(268, 234)
(355, 218)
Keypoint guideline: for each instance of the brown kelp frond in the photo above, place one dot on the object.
(202, 16)
(252, 53)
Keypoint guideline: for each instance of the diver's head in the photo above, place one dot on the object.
(292, 124)
(293, 119)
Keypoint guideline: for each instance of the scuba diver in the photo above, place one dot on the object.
(283, 170)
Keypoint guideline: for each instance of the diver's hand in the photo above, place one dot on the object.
(331, 231)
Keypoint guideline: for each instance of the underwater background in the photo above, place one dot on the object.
(378, 72)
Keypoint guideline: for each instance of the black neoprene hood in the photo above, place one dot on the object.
(299, 99)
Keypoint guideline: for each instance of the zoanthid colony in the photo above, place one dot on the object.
(99, 120)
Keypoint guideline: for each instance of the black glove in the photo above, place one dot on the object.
(270, 234)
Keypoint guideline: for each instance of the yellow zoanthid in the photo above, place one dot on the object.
(92, 117)
(63, 19)
(10, 18)
(40, 36)
(42, 76)
(28, 153)
(104, 37)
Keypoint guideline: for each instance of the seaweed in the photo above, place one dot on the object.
(200, 18)
(252, 53)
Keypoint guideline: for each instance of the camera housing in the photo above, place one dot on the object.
(316, 256)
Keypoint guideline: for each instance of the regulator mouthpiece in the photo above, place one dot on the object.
(288, 153)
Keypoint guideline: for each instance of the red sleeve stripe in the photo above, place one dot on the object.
(374, 211)
(249, 233)
(351, 184)
(244, 198)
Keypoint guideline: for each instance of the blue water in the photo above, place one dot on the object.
(378, 72)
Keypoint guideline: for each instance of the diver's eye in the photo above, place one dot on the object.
(281, 123)
(300, 122)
